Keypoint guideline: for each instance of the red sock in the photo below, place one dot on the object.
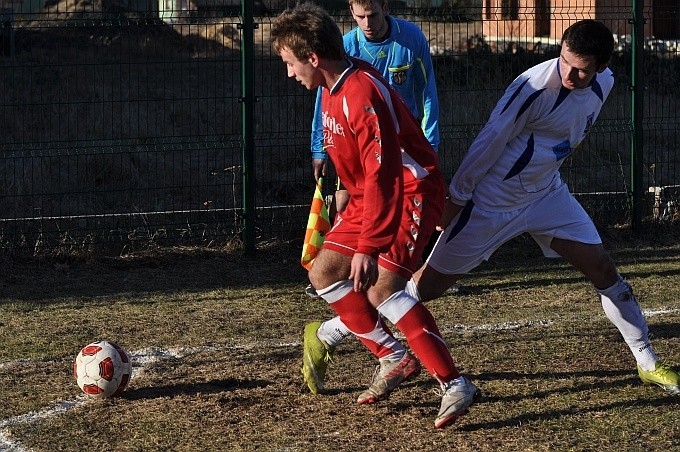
(415, 321)
(361, 318)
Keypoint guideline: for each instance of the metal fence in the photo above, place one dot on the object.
(127, 125)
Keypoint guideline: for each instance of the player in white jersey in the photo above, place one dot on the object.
(509, 183)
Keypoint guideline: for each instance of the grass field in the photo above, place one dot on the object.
(214, 338)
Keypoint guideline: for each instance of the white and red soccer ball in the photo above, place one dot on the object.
(102, 369)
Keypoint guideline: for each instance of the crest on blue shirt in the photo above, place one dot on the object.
(562, 149)
(399, 77)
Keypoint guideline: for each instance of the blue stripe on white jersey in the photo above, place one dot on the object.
(564, 92)
(527, 103)
(597, 89)
(514, 95)
(523, 159)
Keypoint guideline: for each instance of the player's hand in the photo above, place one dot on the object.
(448, 214)
(363, 271)
(319, 168)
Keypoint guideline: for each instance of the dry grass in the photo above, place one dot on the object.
(554, 371)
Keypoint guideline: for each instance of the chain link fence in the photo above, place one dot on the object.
(122, 121)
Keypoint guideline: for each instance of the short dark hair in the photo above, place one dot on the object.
(590, 38)
(305, 29)
(366, 3)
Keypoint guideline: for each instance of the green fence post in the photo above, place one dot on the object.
(637, 88)
(248, 119)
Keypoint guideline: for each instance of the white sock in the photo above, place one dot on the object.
(412, 289)
(455, 382)
(333, 331)
(622, 309)
(380, 336)
(397, 306)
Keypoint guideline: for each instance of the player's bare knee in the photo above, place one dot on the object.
(318, 279)
(387, 285)
(432, 284)
(328, 267)
(603, 272)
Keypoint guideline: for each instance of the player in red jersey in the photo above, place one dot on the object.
(396, 197)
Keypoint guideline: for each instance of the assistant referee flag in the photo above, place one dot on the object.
(318, 225)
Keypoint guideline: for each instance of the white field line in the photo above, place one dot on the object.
(141, 359)
(7, 445)
(661, 311)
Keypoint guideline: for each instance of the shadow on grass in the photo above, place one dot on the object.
(359, 389)
(557, 414)
(158, 272)
(614, 380)
(664, 331)
(531, 281)
(193, 389)
(169, 271)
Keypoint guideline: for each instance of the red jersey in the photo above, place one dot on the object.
(378, 149)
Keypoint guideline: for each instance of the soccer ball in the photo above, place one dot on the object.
(102, 369)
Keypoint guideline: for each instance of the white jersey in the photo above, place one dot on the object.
(515, 159)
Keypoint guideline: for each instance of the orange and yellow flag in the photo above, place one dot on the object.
(318, 225)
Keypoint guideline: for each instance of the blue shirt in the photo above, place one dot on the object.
(403, 58)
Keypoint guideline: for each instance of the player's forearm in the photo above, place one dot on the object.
(317, 144)
(427, 93)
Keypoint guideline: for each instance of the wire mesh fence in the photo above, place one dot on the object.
(122, 122)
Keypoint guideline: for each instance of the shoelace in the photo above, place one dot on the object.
(443, 389)
(446, 387)
(663, 369)
(376, 374)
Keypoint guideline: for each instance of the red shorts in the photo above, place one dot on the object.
(421, 210)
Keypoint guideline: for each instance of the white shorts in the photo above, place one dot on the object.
(475, 234)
